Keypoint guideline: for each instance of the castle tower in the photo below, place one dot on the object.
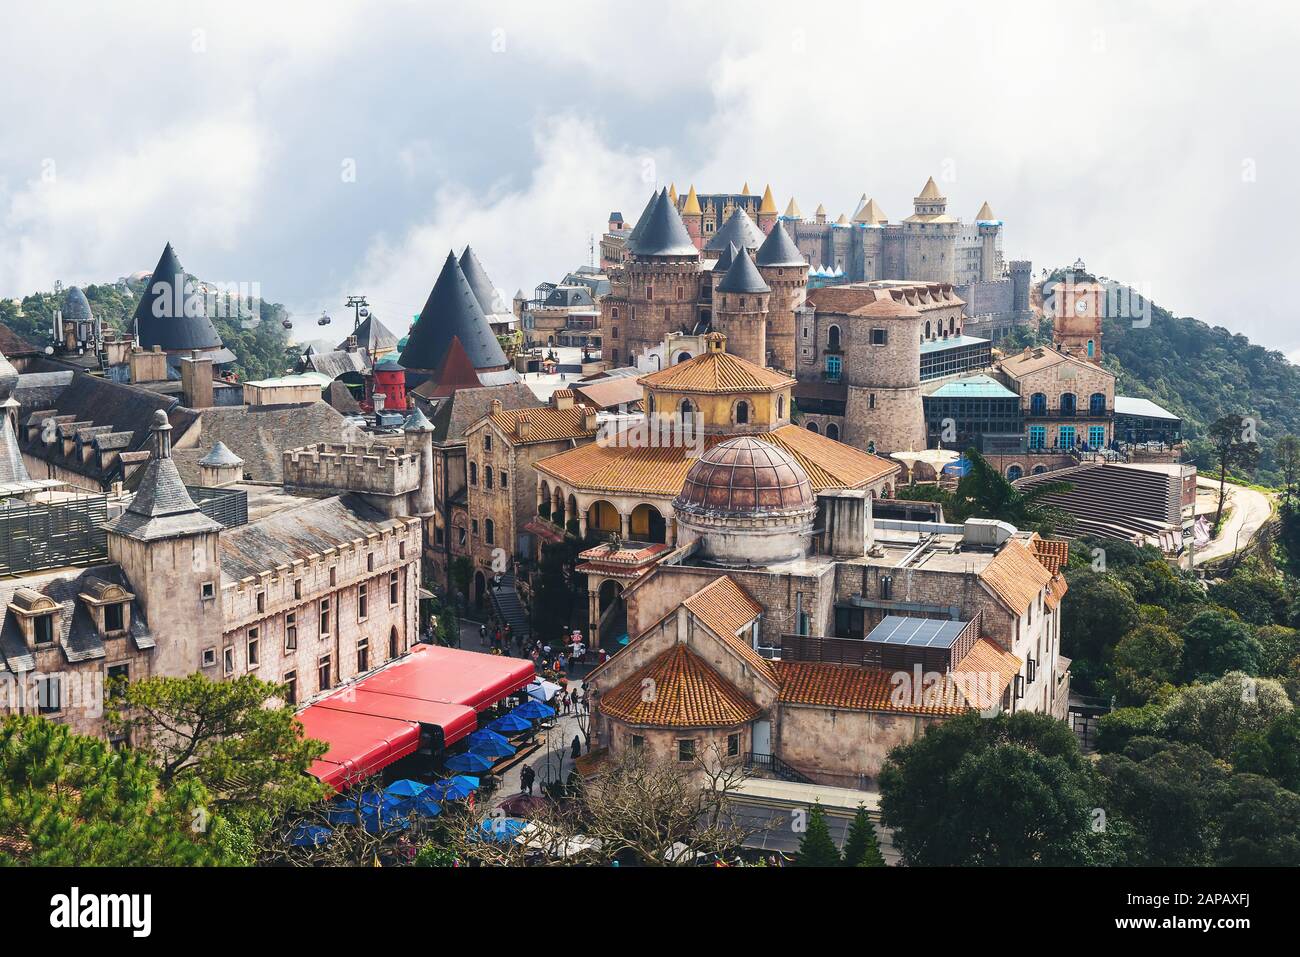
(767, 212)
(882, 370)
(738, 229)
(452, 311)
(785, 271)
(172, 315)
(930, 238)
(1076, 318)
(1022, 277)
(990, 232)
(693, 217)
(170, 552)
(220, 467)
(419, 431)
(820, 215)
(792, 211)
(663, 280)
(740, 310)
(76, 328)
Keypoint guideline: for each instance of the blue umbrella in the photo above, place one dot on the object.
(498, 830)
(484, 735)
(401, 795)
(382, 819)
(510, 724)
(345, 808)
(341, 816)
(534, 710)
(309, 835)
(455, 788)
(469, 762)
(426, 805)
(493, 749)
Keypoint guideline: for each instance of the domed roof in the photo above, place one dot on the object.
(75, 305)
(744, 476)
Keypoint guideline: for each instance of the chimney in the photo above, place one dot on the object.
(589, 419)
(196, 381)
(351, 344)
(496, 406)
(562, 401)
(148, 366)
(524, 426)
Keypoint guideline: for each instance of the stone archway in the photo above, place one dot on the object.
(647, 525)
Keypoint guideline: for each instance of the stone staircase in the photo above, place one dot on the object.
(509, 608)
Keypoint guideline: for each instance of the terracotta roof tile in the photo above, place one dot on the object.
(716, 372)
(1056, 590)
(682, 692)
(725, 607)
(546, 424)
(1052, 552)
(1015, 576)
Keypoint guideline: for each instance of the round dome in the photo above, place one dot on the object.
(75, 305)
(743, 476)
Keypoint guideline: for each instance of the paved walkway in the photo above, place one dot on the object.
(1250, 510)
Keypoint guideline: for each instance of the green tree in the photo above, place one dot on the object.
(862, 846)
(1214, 716)
(1259, 824)
(71, 800)
(1098, 610)
(1259, 598)
(249, 755)
(1235, 449)
(1287, 454)
(984, 493)
(1278, 647)
(1215, 642)
(1010, 790)
(816, 849)
(1145, 662)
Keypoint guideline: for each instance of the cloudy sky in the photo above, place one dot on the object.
(324, 149)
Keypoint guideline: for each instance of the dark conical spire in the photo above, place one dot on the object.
(644, 218)
(664, 233)
(779, 250)
(743, 276)
(725, 260)
(489, 300)
(161, 506)
(170, 315)
(452, 311)
(739, 229)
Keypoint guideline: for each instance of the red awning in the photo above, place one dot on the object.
(469, 678)
(456, 720)
(359, 744)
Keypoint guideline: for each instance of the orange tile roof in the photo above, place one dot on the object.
(548, 424)
(716, 372)
(1056, 590)
(683, 692)
(1015, 576)
(986, 668)
(607, 393)
(725, 607)
(662, 471)
(1052, 552)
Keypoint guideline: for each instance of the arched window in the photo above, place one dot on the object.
(1069, 403)
(652, 403)
(490, 532)
(687, 409)
(812, 427)
(833, 337)
(832, 431)
(504, 476)
(1014, 472)
(780, 407)
(927, 328)
(1097, 404)
(487, 477)
(1038, 404)
(1092, 348)
(742, 412)
(473, 473)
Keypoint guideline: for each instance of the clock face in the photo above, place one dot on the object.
(1081, 306)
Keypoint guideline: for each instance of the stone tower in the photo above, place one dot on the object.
(929, 238)
(170, 552)
(740, 309)
(785, 271)
(882, 370)
(990, 233)
(1076, 318)
(1022, 277)
(663, 278)
(767, 212)
(693, 217)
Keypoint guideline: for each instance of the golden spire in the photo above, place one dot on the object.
(985, 214)
(931, 190)
(842, 221)
(792, 210)
(744, 190)
(871, 214)
(692, 207)
(672, 192)
(769, 204)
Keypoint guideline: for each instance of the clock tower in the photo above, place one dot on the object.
(1076, 319)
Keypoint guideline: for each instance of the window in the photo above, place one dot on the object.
(392, 588)
(686, 749)
(649, 293)
(401, 551)
(1097, 404)
(334, 575)
(252, 648)
(43, 629)
(207, 590)
(833, 365)
(637, 741)
(812, 427)
(1065, 437)
(1037, 436)
(228, 656)
(118, 676)
(323, 673)
(1038, 404)
(370, 562)
(209, 657)
(297, 588)
(261, 602)
(473, 473)
(780, 407)
(742, 413)
(1096, 436)
(291, 632)
(490, 532)
(832, 431)
(363, 603)
(473, 527)
(114, 617)
(1069, 403)
(871, 400)
(324, 617)
(49, 694)
(487, 441)
(505, 479)
(460, 535)
(833, 338)
(1014, 472)
(733, 745)
(392, 643)
(363, 654)
(291, 687)
(880, 337)
(487, 477)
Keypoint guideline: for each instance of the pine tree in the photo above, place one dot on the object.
(862, 847)
(816, 849)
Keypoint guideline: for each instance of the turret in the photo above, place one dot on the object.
(740, 309)
(767, 212)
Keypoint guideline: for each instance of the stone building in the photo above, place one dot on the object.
(814, 664)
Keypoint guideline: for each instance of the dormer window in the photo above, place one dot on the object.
(114, 618)
(43, 629)
(36, 615)
(109, 606)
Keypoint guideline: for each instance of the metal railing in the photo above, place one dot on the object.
(774, 765)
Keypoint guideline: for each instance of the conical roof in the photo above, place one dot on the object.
(456, 372)
(862, 201)
(170, 317)
(743, 276)
(417, 421)
(692, 205)
(12, 467)
(221, 456)
(985, 215)
(642, 220)
(725, 260)
(744, 190)
(161, 506)
(451, 311)
(821, 209)
(373, 336)
(739, 229)
(779, 250)
(672, 192)
(769, 203)
(792, 210)
(842, 221)
(75, 305)
(871, 214)
(664, 233)
(931, 190)
(489, 299)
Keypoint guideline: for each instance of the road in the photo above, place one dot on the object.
(1250, 510)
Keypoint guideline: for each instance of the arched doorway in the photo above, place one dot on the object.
(611, 612)
(648, 525)
(480, 589)
(603, 519)
(812, 427)
(392, 642)
(832, 431)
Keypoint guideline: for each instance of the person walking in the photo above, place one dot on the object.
(575, 749)
(526, 778)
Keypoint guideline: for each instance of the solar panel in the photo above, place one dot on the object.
(916, 632)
